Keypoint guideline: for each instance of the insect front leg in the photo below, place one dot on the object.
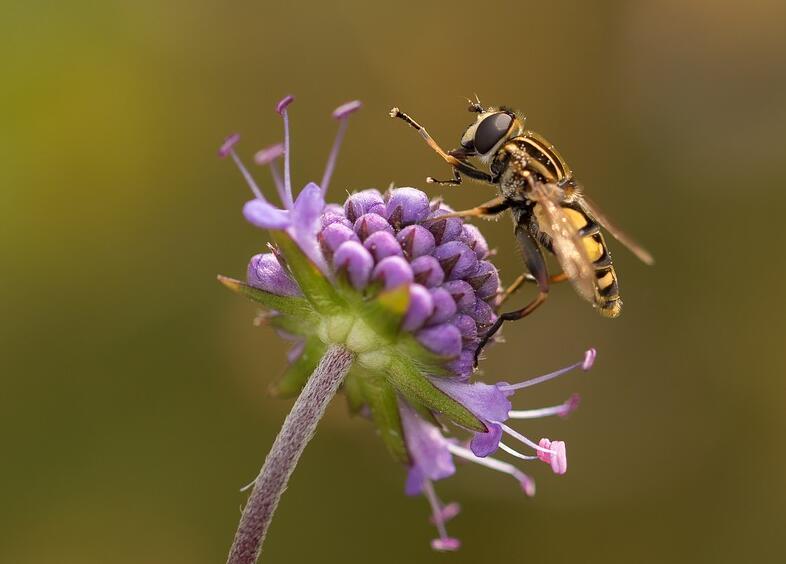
(459, 166)
(455, 181)
(536, 264)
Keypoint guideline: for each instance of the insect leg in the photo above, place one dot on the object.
(527, 277)
(455, 181)
(536, 264)
(487, 210)
(461, 166)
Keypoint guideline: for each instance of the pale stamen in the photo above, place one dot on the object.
(341, 113)
(516, 453)
(247, 175)
(268, 156)
(516, 435)
(281, 108)
(444, 542)
(228, 148)
(586, 364)
(562, 410)
(494, 464)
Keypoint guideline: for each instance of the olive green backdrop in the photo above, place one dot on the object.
(133, 403)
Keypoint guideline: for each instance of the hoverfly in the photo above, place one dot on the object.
(548, 207)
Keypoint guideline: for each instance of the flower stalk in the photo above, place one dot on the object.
(295, 434)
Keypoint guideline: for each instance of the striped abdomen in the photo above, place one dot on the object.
(608, 300)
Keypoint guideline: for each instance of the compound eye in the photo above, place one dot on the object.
(491, 130)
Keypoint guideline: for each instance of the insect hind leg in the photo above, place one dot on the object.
(510, 316)
(536, 264)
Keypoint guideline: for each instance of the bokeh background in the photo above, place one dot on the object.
(133, 403)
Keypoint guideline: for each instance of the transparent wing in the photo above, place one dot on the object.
(593, 210)
(566, 242)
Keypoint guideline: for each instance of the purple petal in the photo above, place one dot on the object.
(472, 237)
(416, 241)
(457, 259)
(351, 257)
(308, 209)
(334, 235)
(266, 216)
(463, 294)
(415, 481)
(487, 402)
(306, 222)
(382, 245)
(421, 306)
(444, 340)
(444, 306)
(427, 448)
(365, 201)
(369, 223)
(485, 280)
(406, 205)
(345, 109)
(428, 271)
(393, 272)
(484, 444)
(266, 273)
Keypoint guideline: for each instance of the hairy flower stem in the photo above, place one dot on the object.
(297, 430)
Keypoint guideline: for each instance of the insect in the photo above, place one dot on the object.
(548, 207)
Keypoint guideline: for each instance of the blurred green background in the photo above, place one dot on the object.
(133, 402)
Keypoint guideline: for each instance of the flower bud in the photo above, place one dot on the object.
(266, 273)
(383, 244)
(393, 272)
(428, 271)
(416, 241)
(485, 280)
(444, 306)
(462, 293)
(421, 306)
(444, 339)
(365, 201)
(447, 229)
(369, 223)
(405, 206)
(483, 313)
(457, 259)
(472, 238)
(353, 259)
(334, 235)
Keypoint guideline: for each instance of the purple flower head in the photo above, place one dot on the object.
(408, 292)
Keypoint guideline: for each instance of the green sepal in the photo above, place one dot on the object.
(289, 305)
(381, 398)
(298, 373)
(314, 285)
(405, 376)
(425, 360)
(294, 325)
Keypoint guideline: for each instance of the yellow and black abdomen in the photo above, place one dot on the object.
(608, 299)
